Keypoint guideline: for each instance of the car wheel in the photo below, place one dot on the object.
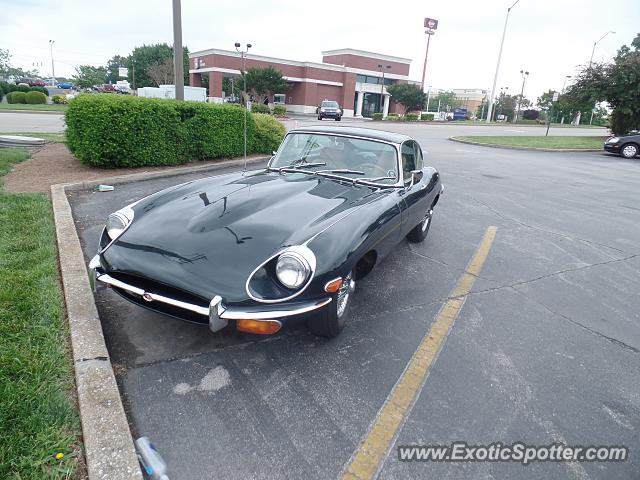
(331, 320)
(420, 231)
(338, 119)
(319, 117)
(629, 150)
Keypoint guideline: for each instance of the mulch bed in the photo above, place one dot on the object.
(54, 164)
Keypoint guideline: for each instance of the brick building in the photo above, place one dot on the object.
(351, 77)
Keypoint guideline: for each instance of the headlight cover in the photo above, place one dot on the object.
(613, 140)
(118, 222)
(294, 266)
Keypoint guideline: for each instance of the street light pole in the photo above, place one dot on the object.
(53, 74)
(428, 96)
(593, 50)
(429, 32)
(178, 65)
(244, 93)
(524, 79)
(382, 87)
(495, 77)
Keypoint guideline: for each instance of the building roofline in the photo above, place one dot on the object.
(364, 53)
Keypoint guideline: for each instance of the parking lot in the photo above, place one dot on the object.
(545, 349)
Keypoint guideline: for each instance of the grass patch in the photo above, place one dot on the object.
(37, 414)
(560, 142)
(23, 106)
(58, 137)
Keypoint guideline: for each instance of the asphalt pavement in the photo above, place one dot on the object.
(545, 349)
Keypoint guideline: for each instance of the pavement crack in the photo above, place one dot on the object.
(578, 324)
(544, 230)
(427, 257)
(99, 358)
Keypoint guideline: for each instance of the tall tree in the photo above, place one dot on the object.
(87, 76)
(113, 74)
(161, 73)
(262, 83)
(447, 100)
(141, 58)
(408, 95)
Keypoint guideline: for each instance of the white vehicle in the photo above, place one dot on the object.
(122, 86)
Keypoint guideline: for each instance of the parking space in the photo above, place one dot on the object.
(545, 349)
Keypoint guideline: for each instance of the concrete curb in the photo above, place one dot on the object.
(108, 445)
(49, 112)
(510, 147)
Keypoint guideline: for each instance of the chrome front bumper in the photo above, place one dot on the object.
(218, 314)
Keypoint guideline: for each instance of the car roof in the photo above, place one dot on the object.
(355, 132)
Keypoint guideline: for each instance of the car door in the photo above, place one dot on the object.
(415, 196)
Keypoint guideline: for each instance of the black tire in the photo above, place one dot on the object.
(319, 117)
(420, 231)
(329, 322)
(338, 119)
(629, 150)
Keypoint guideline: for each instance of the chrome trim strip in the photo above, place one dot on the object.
(218, 314)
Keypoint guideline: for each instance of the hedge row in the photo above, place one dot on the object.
(124, 131)
(11, 87)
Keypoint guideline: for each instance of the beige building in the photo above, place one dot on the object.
(471, 98)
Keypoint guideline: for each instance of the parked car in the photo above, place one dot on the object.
(626, 145)
(329, 109)
(38, 82)
(66, 85)
(252, 250)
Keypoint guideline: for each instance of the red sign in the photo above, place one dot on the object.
(430, 23)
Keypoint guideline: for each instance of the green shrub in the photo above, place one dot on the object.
(377, 116)
(427, 117)
(392, 117)
(280, 110)
(259, 108)
(269, 133)
(35, 98)
(60, 99)
(1, 94)
(125, 131)
(8, 87)
(23, 88)
(16, 97)
(411, 117)
(39, 89)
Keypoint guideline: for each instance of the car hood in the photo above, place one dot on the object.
(207, 236)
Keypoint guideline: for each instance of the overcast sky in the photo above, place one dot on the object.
(549, 38)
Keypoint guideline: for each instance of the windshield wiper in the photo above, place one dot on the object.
(340, 170)
(295, 168)
(374, 180)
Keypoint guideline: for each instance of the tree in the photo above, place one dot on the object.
(5, 62)
(530, 114)
(141, 58)
(161, 73)
(87, 76)
(262, 83)
(408, 95)
(113, 65)
(447, 101)
(231, 89)
(505, 105)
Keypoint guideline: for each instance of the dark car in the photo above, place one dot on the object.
(626, 145)
(329, 109)
(38, 82)
(254, 249)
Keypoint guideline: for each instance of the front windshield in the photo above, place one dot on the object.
(330, 104)
(353, 158)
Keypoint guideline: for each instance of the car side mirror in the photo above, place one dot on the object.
(416, 176)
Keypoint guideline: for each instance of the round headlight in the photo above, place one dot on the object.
(118, 222)
(292, 270)
(613, 140)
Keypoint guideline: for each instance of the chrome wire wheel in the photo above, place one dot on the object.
(348, 286)
(427, 219)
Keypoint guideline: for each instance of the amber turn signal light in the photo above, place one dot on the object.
(260, 327)
(333, 286)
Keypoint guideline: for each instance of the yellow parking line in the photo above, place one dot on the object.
(366, 460)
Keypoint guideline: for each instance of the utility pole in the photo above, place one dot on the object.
(178, 65)
(244, 94)
(53, 74)
(428, 97)
(524, 79)
(495, 77)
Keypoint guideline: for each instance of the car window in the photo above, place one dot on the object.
(373, 158)
(408, 160)
(330, 104)
(419, 159)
